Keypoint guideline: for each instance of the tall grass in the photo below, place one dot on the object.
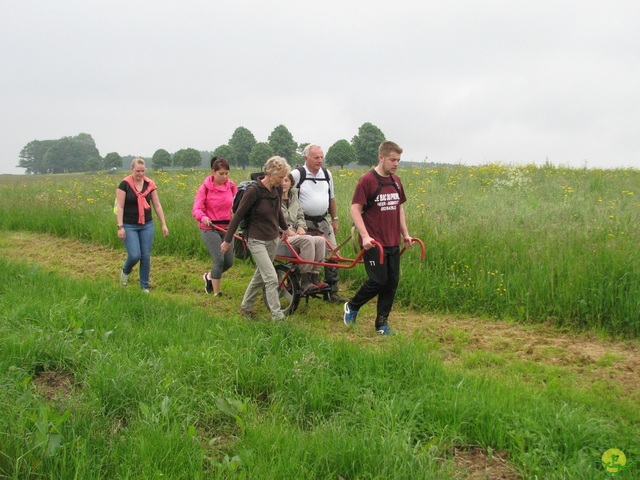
(530, 243)
(160, 389)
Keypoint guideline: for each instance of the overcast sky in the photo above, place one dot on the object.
(455, 81)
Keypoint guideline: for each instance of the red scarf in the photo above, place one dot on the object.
(142, 201)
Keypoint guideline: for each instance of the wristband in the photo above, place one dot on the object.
(120, 226)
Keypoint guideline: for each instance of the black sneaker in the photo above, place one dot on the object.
(208, 285)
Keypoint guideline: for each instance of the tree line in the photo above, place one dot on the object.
(80, 154)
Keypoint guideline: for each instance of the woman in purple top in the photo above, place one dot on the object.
(212, 206)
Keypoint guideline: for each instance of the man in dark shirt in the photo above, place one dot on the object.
(378, 215)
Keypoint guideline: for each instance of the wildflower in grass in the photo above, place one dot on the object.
(460, 275)
(347, 174)
(309, 362)
(511, 178)
(485, 182)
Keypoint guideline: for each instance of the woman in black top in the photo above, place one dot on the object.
(134, 197)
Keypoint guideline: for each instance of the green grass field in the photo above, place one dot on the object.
(102, 382)
(526, 243)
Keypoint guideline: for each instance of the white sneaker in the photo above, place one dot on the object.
(124, 278)
(145, 290)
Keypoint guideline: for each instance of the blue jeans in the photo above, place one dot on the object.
(138, 241)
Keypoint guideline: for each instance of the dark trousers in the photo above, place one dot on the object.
(383, 281)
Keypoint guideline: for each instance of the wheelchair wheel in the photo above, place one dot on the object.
(288, 289)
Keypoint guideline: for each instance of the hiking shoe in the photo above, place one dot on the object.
(250, 314)
(315, 279)
(208, 284)
(309, 289)
(383, 330)
(350, 315)
(334, 297)
(124, 279)
(307, 286)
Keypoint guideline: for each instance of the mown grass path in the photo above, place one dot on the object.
(540, 354)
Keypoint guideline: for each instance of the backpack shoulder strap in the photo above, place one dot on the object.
(381, 183)
(259, 196)
(303, 176)
(326, 176)
(246, 220)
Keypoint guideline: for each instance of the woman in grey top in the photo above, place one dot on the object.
(309, 247)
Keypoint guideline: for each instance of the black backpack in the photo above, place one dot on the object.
(240, 249)
(242, 187)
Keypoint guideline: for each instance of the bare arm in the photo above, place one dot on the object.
(120, 194)
(356, 216)
(157, 206)
(403, 228)
(333, 211)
